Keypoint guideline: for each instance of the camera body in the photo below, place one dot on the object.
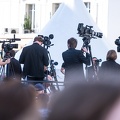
(87, 31)
(8, 47)
(117, 42)
(46, 40)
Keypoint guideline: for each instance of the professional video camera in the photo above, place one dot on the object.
(47, 42)
(7, 46)
(87, 33)
(117, 42)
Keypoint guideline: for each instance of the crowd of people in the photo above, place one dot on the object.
(80, 101)
(91, 96)
(35, 60)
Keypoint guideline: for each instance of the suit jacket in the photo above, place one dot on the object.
(34, 58)
(110, 70)
(73, 62)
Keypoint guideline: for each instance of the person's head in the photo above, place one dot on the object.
(94, 59)
(39, 88)
(72, 43)
(12, 53)
(16, 100)
(86, 102)
(39, 40)
(111, 55)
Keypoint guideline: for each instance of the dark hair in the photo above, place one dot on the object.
(84, 102)
(38, 38)
(72, 42)
(111, 55)
(15, 99)
(12, 53)
(94, 57)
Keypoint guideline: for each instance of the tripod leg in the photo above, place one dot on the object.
(55, 78)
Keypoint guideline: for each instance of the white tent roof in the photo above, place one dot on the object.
(63, 25)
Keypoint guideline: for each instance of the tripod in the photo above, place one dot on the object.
(52, 71)
(86, 41)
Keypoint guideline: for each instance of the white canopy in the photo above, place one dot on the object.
(63, 26)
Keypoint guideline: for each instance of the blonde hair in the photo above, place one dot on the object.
(111, 55)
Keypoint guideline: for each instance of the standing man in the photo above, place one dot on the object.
(73, 61)
(35, 60)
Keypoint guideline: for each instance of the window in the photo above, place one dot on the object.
(30, 12)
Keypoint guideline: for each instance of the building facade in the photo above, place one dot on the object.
(39, 12)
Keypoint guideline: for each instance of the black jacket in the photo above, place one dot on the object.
(14, 68)
(110, 70)
(73, 62)
(34, 58)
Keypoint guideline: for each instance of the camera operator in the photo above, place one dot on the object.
(14, 67)
(93, 71)
(35, 60)
(73, 61)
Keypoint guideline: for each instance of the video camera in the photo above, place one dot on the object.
(87, 31)
(46, 40)
(117, 42)
(7, 46)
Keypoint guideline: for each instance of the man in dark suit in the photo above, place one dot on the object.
(73, 61)
(35, 60)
